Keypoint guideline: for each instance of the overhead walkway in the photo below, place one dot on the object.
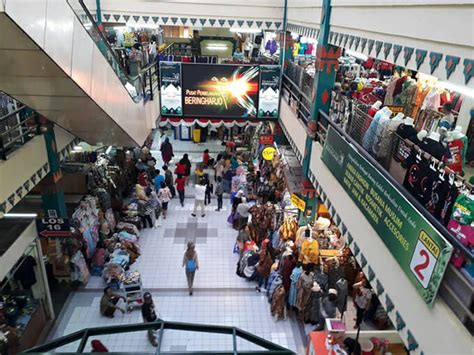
(450, 318)
(54, 59)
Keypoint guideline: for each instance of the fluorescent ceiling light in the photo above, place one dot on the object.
(217, 47)
(357, 55)
(246, 30)
(20, 215)
(145, 26)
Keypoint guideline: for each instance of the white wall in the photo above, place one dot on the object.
(219, 9)
(295, 128)
(54, 27)
(305, 12)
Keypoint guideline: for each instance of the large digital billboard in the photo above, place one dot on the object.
(220, 90)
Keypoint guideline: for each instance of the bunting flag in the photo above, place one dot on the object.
(184, 20)
(165, 20)
(351, 41)
(222, 22)
(420, 57)
(412, 343)
(397, 49)
(259, 24)
(346, 38)
(408, 53)
(379, 288)
(370, 45)
(202, 21)
(451, 64)
(136, 18)
(386, 49)
(155, 19)
(174, 20)
(277, 25)
(331, 36)
(126, 18)
(107, 17)
(435, 59)
(146, 18)
(400, 322)
(371, 274)
(193, 20)
(468, 70)
(250, 23)
(3, 206)
(363, 44)
(357, 43)
(268, 24)
(378, 47)
(363, 261)
(389, 304)
(240, 23)
(116, 18)
(212, 22)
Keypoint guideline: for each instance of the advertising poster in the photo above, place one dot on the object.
(220, 90)
(269, 91)
(420, 250)
(170, 89)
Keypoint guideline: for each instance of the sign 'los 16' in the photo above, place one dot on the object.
(53, 227)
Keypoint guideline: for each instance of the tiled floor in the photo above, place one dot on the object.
(220, 297)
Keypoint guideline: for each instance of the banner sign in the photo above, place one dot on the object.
(269, 91)
(298, 202)
(220, 90)
(421, 251)
(265, 139)
(268, 153)
(53, 227)
(170, 89)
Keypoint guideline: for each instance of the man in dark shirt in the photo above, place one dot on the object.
(149, 315)
(108, 303)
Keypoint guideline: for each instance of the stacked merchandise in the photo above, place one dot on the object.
(132, 285)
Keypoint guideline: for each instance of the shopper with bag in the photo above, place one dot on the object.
(149, 315)
(191, 264)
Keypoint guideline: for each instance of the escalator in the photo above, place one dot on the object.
(54, 59)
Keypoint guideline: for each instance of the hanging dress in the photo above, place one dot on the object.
(295, 275)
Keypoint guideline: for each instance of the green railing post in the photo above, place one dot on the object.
(234, 341)
(160, 338)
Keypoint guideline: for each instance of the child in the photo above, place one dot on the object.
(219, 192)
(199, 172)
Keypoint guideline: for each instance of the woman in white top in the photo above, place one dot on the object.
(164, 194)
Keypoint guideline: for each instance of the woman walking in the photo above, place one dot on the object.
(180, 185)
(187, 163)
(191, 264)
(164, 195)
(166, 151)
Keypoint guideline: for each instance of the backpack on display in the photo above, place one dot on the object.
(190, 265)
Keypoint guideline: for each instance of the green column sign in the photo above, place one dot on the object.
(421, 251)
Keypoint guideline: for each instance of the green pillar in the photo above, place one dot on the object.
(283, 53)
(52, 192)
(98, 12)
(326, 66)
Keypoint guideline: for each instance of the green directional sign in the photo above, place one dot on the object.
(421, 251)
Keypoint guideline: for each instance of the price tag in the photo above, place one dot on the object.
(424, 259)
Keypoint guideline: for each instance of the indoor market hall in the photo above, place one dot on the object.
(278, 176)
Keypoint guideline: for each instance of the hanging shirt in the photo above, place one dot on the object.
(463, 209)
(456, 149)
(309, 252)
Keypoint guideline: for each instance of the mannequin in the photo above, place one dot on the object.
(374, 108)
(407, 131)
(370, 134)
(433, 146)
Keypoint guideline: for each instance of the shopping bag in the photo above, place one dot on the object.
(230, 219)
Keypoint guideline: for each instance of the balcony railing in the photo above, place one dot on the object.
(351, 120)
(17, 128)
(236, 334)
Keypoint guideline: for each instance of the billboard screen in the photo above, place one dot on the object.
(220, 90)
(269, 91)
(170, 89)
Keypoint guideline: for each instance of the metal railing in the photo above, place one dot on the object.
(135, 85)
(84, 335)
(17, 128)
(299, 102)
(350, 119)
